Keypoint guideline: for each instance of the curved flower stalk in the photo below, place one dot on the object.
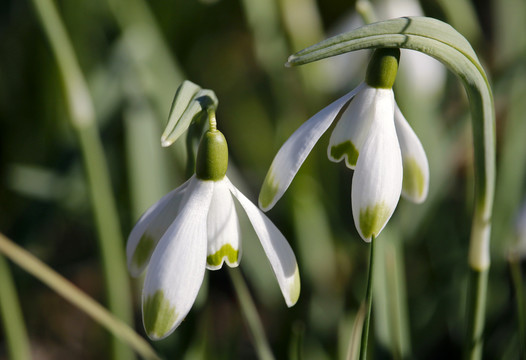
(193, 228)
(422, 74)
(439, 40)
(373, 138)
(425, 76)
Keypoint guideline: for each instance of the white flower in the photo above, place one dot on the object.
(193, 228)
(374, 139)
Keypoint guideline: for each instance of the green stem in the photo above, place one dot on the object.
(515, 268)
(12, 319)
(368, 303)
(68, 291)
(476, 309)
(82, 116)
(251, 315)
(192, 143)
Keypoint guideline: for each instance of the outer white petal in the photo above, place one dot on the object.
(278, 250)
(377, 180)
(352, 129)
(295, 150)
(224, 240)
(416, 168)
(150, 228)
(178, 265)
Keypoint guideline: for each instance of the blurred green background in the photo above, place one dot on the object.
(135, 53)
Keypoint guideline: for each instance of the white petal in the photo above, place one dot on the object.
(295, 150)
(352, 129)
(178, 265)
(278, 250)
(224, 243)
(377, 180)
(416, 168)
(150, 228)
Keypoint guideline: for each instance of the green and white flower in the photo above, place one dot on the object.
(193, 228)
(373, 138)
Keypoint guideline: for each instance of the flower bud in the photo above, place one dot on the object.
(212, 156)
(382, 69)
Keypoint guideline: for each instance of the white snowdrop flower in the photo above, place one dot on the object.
(193, 228)
(373, 138)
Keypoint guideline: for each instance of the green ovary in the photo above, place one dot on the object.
(212, 156)
(413, 182)
(268, 191)
(373, 218)
(346, 148)
(143, 250)
(226, 251)
(158, 314)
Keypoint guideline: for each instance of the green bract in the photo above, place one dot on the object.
(189, 101)
(212, 156)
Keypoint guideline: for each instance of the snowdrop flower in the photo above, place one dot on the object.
(193, 228)
(373, 138)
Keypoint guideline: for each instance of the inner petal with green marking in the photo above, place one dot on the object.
(159, 315)
(227, 252)
(373, 218)
(414, 182)
(345, 149)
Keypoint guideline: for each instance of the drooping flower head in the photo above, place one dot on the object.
(372, 137)
(196, 227)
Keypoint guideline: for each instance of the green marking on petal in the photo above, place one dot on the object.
(413, 182)
(346, 148)
(143, 250)
(226, 251)
(158, 314)
(268, 191)
(373, 218)
(296, 287)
